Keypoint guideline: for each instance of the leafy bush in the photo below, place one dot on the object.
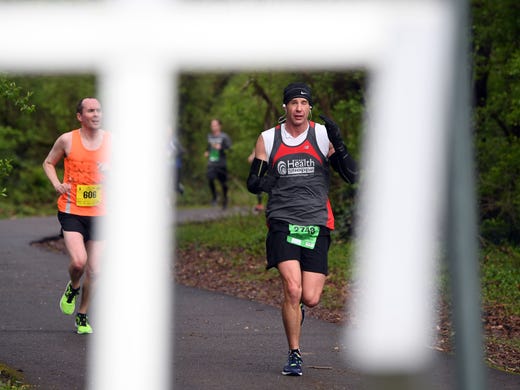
(5, 169)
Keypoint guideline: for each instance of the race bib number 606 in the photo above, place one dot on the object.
(88, 195)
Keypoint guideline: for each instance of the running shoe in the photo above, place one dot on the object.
(82, 324)
(68, 300)
(294, 364)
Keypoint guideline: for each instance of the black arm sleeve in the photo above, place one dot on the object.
(259, 178)
(344, 164)
(256, 176)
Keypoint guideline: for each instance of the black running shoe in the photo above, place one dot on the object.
(294, 364)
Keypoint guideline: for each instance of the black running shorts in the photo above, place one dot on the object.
(311, 260)
(87, 226)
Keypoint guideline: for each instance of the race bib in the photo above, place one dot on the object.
(88, 195)
(304, 236)
(214, 155)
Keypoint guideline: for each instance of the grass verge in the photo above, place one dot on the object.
(11, 379)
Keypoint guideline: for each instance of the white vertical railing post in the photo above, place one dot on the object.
(401, 200)
(133, 312)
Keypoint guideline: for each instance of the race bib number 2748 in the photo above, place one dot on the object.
(304, 236)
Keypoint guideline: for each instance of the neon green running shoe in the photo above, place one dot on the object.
(82, 324)
(68, 300)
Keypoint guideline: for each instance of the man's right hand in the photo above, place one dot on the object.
(259, 179)
(62, 188)
(268, 182)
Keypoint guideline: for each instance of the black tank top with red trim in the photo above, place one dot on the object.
(300, 195)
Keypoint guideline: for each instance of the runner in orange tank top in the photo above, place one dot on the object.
(81, 202)
(85, 173)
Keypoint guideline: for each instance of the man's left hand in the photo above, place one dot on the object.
(333, 131)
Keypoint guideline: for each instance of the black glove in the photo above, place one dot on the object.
(341, 161)
(333, 132)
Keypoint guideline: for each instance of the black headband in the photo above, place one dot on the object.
(297, 90)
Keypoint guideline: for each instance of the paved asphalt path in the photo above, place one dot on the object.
(221, 342)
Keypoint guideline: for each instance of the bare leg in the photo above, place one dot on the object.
(77, 255)
(312, 287)
(94, 249)
(292, 288)
(298, 287)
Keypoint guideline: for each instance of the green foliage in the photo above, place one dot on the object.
(496, 57)
(499, 189)
(30, 122)
(341, 266)
(247, 104)
(245, 232)
(5, 169)
(500, 269)
(15, 95)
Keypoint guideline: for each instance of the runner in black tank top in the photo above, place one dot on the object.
(292, 165)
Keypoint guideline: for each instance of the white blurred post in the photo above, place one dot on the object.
(133, 313)
(401, 200)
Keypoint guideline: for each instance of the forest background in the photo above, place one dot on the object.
(36, 109)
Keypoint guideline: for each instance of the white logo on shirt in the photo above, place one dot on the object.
(295, 167)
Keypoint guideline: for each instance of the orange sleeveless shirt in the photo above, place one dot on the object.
(85, 171)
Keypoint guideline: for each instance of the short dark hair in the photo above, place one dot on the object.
(79, 106)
